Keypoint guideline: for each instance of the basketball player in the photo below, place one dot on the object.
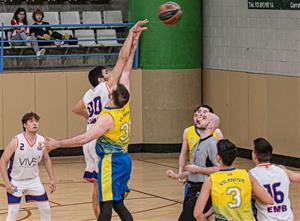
(90, 107)
(230, 189)
(23, 153)
(203, 156)
(276, 181)
(191, 136)
(112, 131)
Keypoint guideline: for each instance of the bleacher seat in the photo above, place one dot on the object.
(85, 34)
(6, 18)
(69, 17)
(91, 17)
(112, 17)
(29, 18)
(51, 17)
(105, 34)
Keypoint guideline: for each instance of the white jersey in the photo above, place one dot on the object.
(95, 100)
(277, 183)
(24, 162)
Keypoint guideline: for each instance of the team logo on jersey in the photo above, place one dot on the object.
(40, 146)
(192, 141)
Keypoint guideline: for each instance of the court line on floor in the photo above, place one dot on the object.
(27, 216)
(159, 164)
(142, 192)
(141, 211)
(156, 196)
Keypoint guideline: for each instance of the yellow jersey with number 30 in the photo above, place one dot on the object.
(117, 139)
(231, 195)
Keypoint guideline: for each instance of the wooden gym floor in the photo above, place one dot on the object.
(153, 196)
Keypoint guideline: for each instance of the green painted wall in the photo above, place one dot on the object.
(177, 46)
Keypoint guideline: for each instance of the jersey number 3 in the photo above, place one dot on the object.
(125, 129)
(236, 197)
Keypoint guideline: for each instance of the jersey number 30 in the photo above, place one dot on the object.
(94, 107)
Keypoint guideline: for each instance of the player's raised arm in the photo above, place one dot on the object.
(125, 77)
(8, 152)
(125, 53)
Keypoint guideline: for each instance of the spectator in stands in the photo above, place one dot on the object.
(44, 33)
(20, 18)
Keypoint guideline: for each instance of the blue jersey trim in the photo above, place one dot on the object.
(197, 132)
(227, 169)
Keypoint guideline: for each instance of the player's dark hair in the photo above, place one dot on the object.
(205, 106)
(120, 95)
(94, 74)
(262, 149)
(37, 12)
(227, 151)
(29, 116)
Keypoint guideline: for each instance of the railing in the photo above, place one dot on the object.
(94, 26)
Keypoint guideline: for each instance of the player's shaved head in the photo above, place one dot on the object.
(213, 119)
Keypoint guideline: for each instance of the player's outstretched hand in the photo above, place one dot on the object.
(171, 174)
(52, 186)
(50, 144)
(138, 27)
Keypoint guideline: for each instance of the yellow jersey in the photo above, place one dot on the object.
(117, 139)
(193, 136)
(231, 195)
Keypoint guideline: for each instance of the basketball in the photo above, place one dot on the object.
(169, 13)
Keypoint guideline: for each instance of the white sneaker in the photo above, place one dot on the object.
(41, 52)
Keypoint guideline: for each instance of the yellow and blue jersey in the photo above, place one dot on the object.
(115, 164)
(117, 139)
(193, 136)
(231, 195)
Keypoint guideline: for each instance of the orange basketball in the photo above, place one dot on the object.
(169, 13)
